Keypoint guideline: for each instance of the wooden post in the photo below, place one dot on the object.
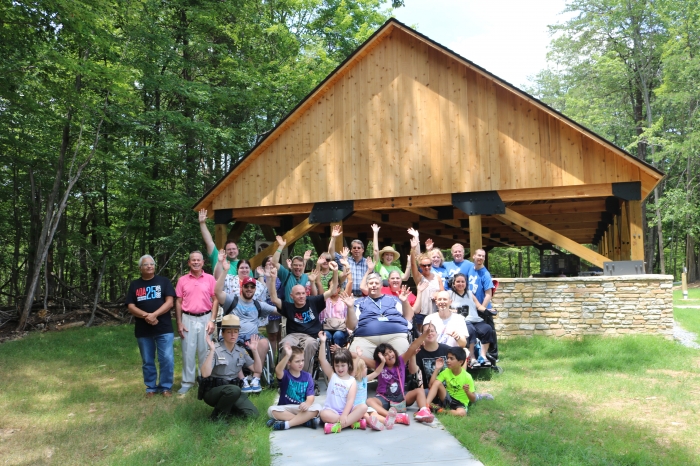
(339, 242)
(616, 238)
(220, 233)
(611, 248)
(624, 234)
(634, 215)
(474, 234)
(684, 283)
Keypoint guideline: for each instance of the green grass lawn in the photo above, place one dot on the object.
(76, 397)
(693, 297)
(689, 319)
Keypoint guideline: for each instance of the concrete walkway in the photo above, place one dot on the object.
(403, 445)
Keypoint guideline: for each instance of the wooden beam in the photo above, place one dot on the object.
(429, 200)
(554, 237)
(556, 192)
(236, 231)
(519, 231)
(475, 234)
(319, 245)
(616, 237)
(553, 208)
(634, 215)
(433, 214)
(291, 236)
(625, 250)
(268, 232)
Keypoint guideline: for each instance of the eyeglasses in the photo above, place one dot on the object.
(147, 264)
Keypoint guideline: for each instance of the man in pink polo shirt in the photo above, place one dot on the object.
(195, 293)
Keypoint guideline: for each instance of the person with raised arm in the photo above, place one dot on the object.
(303, 315)
(292, 275)
(230, 247)
(422, 271)
(358, 263)
(384, 258)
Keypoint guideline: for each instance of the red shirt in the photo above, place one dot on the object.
(411, 296)
(196, 292)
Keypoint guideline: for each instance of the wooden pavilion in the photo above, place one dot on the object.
(406, 133)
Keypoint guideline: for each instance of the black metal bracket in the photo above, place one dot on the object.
(612, 205)
(479, 203)
(331, 212)
(628, 190)
(223, 216)
(445, 212)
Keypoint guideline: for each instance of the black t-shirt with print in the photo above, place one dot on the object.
(149, 295)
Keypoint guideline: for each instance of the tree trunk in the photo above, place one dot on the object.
(97, 289)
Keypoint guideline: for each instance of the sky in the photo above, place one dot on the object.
(509, 38)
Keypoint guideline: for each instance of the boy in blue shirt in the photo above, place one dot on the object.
(296, 403)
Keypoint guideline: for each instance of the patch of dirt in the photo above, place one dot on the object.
(489, 436)
(6, 433)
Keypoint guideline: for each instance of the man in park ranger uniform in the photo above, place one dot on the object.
(149, 300)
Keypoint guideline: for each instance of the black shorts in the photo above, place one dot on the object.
(451, 403)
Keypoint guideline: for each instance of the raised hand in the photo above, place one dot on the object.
(370, 263)
(259, 271)
(336, 231)
(281, 241)
(322, 336)
(345, 263)
(333, 265)
(413, 232)
(287, 350)
(415, 242)
(289, 264)
(423, 285)
(405, 291)
(253, 342)
(380, 355)
(428, 244)
(211, 344)
(313, 275)
(345, 252)
(273, 273)
(225, 265)
(375, 228)
(439, 364)
(347, 299)
(202, 215)
(307, 255)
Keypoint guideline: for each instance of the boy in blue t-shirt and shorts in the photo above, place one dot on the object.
(296, 405)
(456, 388)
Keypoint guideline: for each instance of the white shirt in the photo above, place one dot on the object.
(454, 323)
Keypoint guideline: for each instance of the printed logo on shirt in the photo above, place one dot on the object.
(146, 293)
(304, 317)
(429, 365)
(296, 391)
(473, 286)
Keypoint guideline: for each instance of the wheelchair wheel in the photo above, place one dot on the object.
(268, 370)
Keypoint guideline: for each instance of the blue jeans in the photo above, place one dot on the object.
(164, 345)
(336, 337)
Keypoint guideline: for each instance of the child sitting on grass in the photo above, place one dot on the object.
(296, 405)
(339, 410)
(458, 388)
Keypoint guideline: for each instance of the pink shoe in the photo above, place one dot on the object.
(361, 424)
(402, 418)
(331, 428)
(424, 415)
(375, 424)
(390, 419)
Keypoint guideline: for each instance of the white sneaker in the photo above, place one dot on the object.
(255, 385)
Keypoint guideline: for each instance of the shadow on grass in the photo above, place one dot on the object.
(77, 397)
(528, 428)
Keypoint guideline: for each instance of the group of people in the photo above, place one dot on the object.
(219, 316)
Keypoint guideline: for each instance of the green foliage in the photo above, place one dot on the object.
(184, 90)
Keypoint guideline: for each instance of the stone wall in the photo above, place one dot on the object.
(570, 307)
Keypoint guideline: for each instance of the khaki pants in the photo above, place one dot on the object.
(368, 344)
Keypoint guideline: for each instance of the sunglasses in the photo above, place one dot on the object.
(425, 266)
(249, 286)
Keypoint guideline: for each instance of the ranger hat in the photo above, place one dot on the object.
(391, 250)
(230, 321)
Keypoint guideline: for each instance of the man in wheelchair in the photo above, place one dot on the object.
(250, 312)
(303, 315)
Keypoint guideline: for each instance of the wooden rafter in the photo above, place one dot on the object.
(291, 236)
